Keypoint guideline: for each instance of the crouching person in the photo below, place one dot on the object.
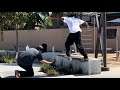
(26, 59)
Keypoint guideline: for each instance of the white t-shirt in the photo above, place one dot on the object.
(73, 24)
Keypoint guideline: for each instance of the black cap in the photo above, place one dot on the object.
(39, 48)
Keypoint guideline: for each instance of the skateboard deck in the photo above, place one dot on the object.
(77, 57)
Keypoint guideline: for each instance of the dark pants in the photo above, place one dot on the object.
(75, 38)
(29, 71)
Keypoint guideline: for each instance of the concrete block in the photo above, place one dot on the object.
(50, 56)
(11, 53)
(63, 62)
(92, 66)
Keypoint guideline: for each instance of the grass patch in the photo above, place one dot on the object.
(7, 59)
(49, 70)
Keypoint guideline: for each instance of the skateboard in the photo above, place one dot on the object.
(72, 57)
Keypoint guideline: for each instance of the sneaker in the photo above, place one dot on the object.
(82, 59)
(85, 59)
(70, 58)
(17, 75)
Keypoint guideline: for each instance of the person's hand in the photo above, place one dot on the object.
(88, 26)
(52, 64)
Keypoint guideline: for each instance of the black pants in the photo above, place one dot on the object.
(29, 71)
(75, 38)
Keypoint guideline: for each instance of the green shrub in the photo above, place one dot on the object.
(45, 67)
(48, 69)
(52, 72)
(7, 59)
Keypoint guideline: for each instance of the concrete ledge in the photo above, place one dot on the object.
(7, 52)
(51, 56)
(92, 66)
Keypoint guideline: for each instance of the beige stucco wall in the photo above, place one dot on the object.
(111, 43)
(34, 38)
(52, 37)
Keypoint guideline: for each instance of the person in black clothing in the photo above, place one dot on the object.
(74, 36)
(44, 47)
(26, 59)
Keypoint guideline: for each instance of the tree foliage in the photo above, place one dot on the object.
(42, 19)
(24, 20)
(8, 20)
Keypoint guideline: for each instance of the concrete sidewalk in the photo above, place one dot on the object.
(7, 71)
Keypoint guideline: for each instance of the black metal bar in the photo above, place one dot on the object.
(105, 68)
(104, 39)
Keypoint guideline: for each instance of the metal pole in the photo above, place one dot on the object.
(97, 21)
(98, 36)
(117, 53)
(94, 35)
(104, 42)
(104, 39)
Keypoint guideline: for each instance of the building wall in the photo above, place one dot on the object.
(52, 37)
(34, 38)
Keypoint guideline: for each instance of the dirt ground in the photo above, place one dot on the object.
(111, 59)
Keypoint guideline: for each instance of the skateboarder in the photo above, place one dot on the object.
(74, 36)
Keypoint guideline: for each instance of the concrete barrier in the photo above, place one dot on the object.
(92, 66)
(10, 53)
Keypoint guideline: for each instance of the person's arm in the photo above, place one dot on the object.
(41, 60)
(87, 24)
(83, 22)
(45, 62)
(56, 18)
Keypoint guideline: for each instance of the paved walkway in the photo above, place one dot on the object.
(7, 71)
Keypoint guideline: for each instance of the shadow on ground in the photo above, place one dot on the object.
(15, 64)
(25, 77)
